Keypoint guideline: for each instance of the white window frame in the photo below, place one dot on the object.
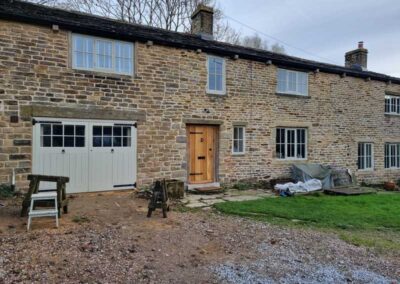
(389, 155)
(365, 157)
(243, 138)
(216, 92)
(393, 104)
(286, 91)
(113, 55)
(287, 129)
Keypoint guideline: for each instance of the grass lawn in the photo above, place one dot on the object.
(370, 220)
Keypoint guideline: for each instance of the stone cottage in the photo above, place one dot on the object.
(115, 105)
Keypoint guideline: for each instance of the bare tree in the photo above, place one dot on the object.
(255, 41)
(173, 15)
(278, 48)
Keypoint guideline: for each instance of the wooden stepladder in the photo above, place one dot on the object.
(62, 201)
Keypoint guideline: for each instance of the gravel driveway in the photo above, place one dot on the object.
(119, 244)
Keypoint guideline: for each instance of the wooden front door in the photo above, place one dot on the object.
(202, 146)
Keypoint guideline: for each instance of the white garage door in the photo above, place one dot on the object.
(96, 155)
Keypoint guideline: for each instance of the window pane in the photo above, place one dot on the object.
(96, 141)
(46, 141)
(218, 83)
(211, 82)
(57, 129)
(292, 81)
(97, 130)
(104, 54)
(240, 146)
(107, 141)
(69, 130)
(215, 74)
(57, 141)
(127, 131)
(46, 129)
(235, 146)
(117, 141)
(386, 155)
(126, 141)
(107, 130)
(80, 130)
(79, 141)
(117, 131)
(282, 80)
(68, 141)
(218, 66)
(387, 104)
(83, 51)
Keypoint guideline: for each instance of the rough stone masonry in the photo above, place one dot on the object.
(169, 89)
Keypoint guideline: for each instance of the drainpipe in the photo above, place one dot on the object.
(13, 181)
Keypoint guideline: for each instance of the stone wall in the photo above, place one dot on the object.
(170, 88)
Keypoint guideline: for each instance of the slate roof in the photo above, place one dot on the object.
(94, 25)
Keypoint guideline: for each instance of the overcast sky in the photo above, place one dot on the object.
(326, 28)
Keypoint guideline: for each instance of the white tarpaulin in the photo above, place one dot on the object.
(308, 186)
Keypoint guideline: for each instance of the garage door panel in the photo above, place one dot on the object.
(95, 155)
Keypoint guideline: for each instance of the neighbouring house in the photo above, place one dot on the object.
(114, 105)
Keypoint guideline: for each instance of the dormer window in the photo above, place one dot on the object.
(292, 82)
(102, 55)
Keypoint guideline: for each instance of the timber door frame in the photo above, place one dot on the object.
(216, 152)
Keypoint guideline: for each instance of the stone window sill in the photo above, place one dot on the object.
(392, 115)
(104, 74)
(292, 96)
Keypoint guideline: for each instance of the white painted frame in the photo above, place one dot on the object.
(113, 55)
(217, 92)
(286, 92)
(244, 139)
(364, 145)
(295, 143)
(390, 154)
(390, 105)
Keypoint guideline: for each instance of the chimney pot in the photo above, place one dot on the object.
(357, 58)
(203, 21)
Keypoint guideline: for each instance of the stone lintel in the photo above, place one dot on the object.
(78, 112)
(202, 121)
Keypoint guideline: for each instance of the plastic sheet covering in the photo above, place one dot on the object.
(306, 172)
(308, 186)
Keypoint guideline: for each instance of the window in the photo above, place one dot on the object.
(58, 135)
(292, 82)
(392, 104)
(111, 136)
(216, 75)
(365, 156)
(104, 55)
(291, 143)
(238, 145)
(392, 155)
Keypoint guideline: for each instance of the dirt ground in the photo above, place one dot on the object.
(106, 238)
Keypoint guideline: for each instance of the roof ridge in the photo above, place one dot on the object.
(80, 21)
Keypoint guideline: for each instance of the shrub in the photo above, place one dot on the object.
(6, 191)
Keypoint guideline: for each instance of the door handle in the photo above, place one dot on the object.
(63, 151)
(201, 157)
(112, 150)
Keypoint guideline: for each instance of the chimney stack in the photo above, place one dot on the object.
(357, 58)
(203, 21)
